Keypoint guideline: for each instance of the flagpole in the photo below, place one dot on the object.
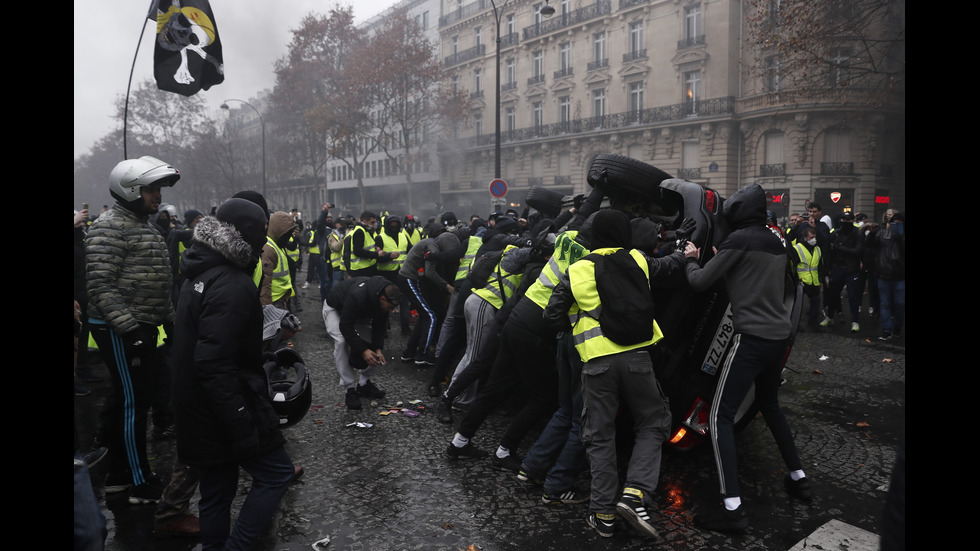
(132, 68)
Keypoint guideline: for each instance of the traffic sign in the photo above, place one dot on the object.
(498, 188)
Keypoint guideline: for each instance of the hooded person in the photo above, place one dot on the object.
(225, 419)
(752, 262)
(276, 285)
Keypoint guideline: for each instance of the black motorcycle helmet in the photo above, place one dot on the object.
(291, 396)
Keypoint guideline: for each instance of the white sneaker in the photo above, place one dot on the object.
(306, 285)
(826, 321)
(855, 327)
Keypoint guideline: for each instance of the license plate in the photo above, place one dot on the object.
(719, 344)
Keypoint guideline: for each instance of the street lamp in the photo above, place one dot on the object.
(262, 122)
(546, 10)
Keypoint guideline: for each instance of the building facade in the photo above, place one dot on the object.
(662, 81)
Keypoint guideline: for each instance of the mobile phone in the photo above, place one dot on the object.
(84, 206)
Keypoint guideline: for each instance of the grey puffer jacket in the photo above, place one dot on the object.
(127, 270)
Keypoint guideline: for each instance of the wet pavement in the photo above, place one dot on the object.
(391, 487)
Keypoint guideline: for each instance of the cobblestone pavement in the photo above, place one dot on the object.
(391, 487)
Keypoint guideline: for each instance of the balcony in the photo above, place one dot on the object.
(566, 72)
(634, 55)
(598, 64)
(563, 181)
(560, 21)
(623, 4)
(535, 79)
(476, 95)
(508, 86)
(509, 39)
(772, 170)
(690, 42)
(689, 173)
(466, 55)
(463, 11)
(836, 169)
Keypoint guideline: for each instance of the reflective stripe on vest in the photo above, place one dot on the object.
(809, 265)
(314, 247)
(567, 252)
(501, 284)
(587, 333)
(356, 262)
(472, 246)
(390, 245)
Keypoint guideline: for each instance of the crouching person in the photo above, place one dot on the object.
(224, 415)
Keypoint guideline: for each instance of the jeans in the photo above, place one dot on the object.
(90, 530)
(892, 295)
(271, 474)
(558, 455)
(349, 376)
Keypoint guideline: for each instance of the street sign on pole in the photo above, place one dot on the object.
(498, 187)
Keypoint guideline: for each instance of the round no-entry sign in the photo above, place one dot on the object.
(498, 188)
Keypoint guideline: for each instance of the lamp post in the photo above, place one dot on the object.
(546, 10)
(262, 122)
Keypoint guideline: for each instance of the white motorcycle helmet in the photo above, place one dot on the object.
(129, 176)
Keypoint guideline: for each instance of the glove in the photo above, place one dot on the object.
(686, 228)
(578, 200)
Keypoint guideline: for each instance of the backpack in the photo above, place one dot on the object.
(627, 311)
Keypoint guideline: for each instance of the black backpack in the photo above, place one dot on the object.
(626, 314)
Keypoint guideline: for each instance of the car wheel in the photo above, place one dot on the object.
(548, 201)
(624, 176)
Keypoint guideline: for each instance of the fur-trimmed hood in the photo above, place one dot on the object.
(216, 242)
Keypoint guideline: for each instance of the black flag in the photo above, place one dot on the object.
(187, 56)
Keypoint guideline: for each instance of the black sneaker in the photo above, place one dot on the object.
(351, 400)
(93, 457)
(427, 360)
(444, 412)
(526, 478)
(509, 463)
(723, 520)
(81, 390)
(885, 336)
(147, 493)
(407, 357)
(800, 489)
(570, 497)
(118, 482)
(602, 523)
(469, 451)
(631, 508)
(368, 390)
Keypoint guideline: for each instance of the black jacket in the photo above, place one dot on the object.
(358, 299)
(221, 398)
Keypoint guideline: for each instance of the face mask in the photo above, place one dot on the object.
(811, 242)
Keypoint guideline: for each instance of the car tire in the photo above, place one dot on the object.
(547, 201)
(624, 176)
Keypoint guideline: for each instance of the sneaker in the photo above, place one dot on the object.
(433, 391)
(602, 523)
(826, 321)
(723, 520)
(368, 390)
(351, 400)
(469, 451)
(297, 473)
(444, 412)
(93, 457)
(631, 508)
(510, 463)
(407, 357)
(855, 327)
(571, 497)
(427, 360)
(526, 478)
(118, 482)
(147, 493)
(306, 285)
(185, 526)
(885, 336)
(800, 489)
(81, 390)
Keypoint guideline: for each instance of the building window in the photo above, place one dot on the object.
(511, 24)
(425, 21)
(564, 56)
(692, 91)
(599, 47)
(478, 36)
(455, 83)
(510, 119)
(537, 14)
(511, 71)
(692, 22)
(478, 124)
(599, 102)
(690, 161)
(564, 109)
(477, 80)
(636, 37)
(774, 148)
(772, 74)
(636, 96)
(537, 114)
(537, 64)
(840, 67)
(455, 45)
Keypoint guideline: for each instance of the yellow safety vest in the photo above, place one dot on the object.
(314, 245)
(472, 246)
(586, 332)
(501, 284)
(809, 264)
(356, 262)
(567, 252)
(390, 245)
(337, 257)
(281, 282)
(414, 236)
